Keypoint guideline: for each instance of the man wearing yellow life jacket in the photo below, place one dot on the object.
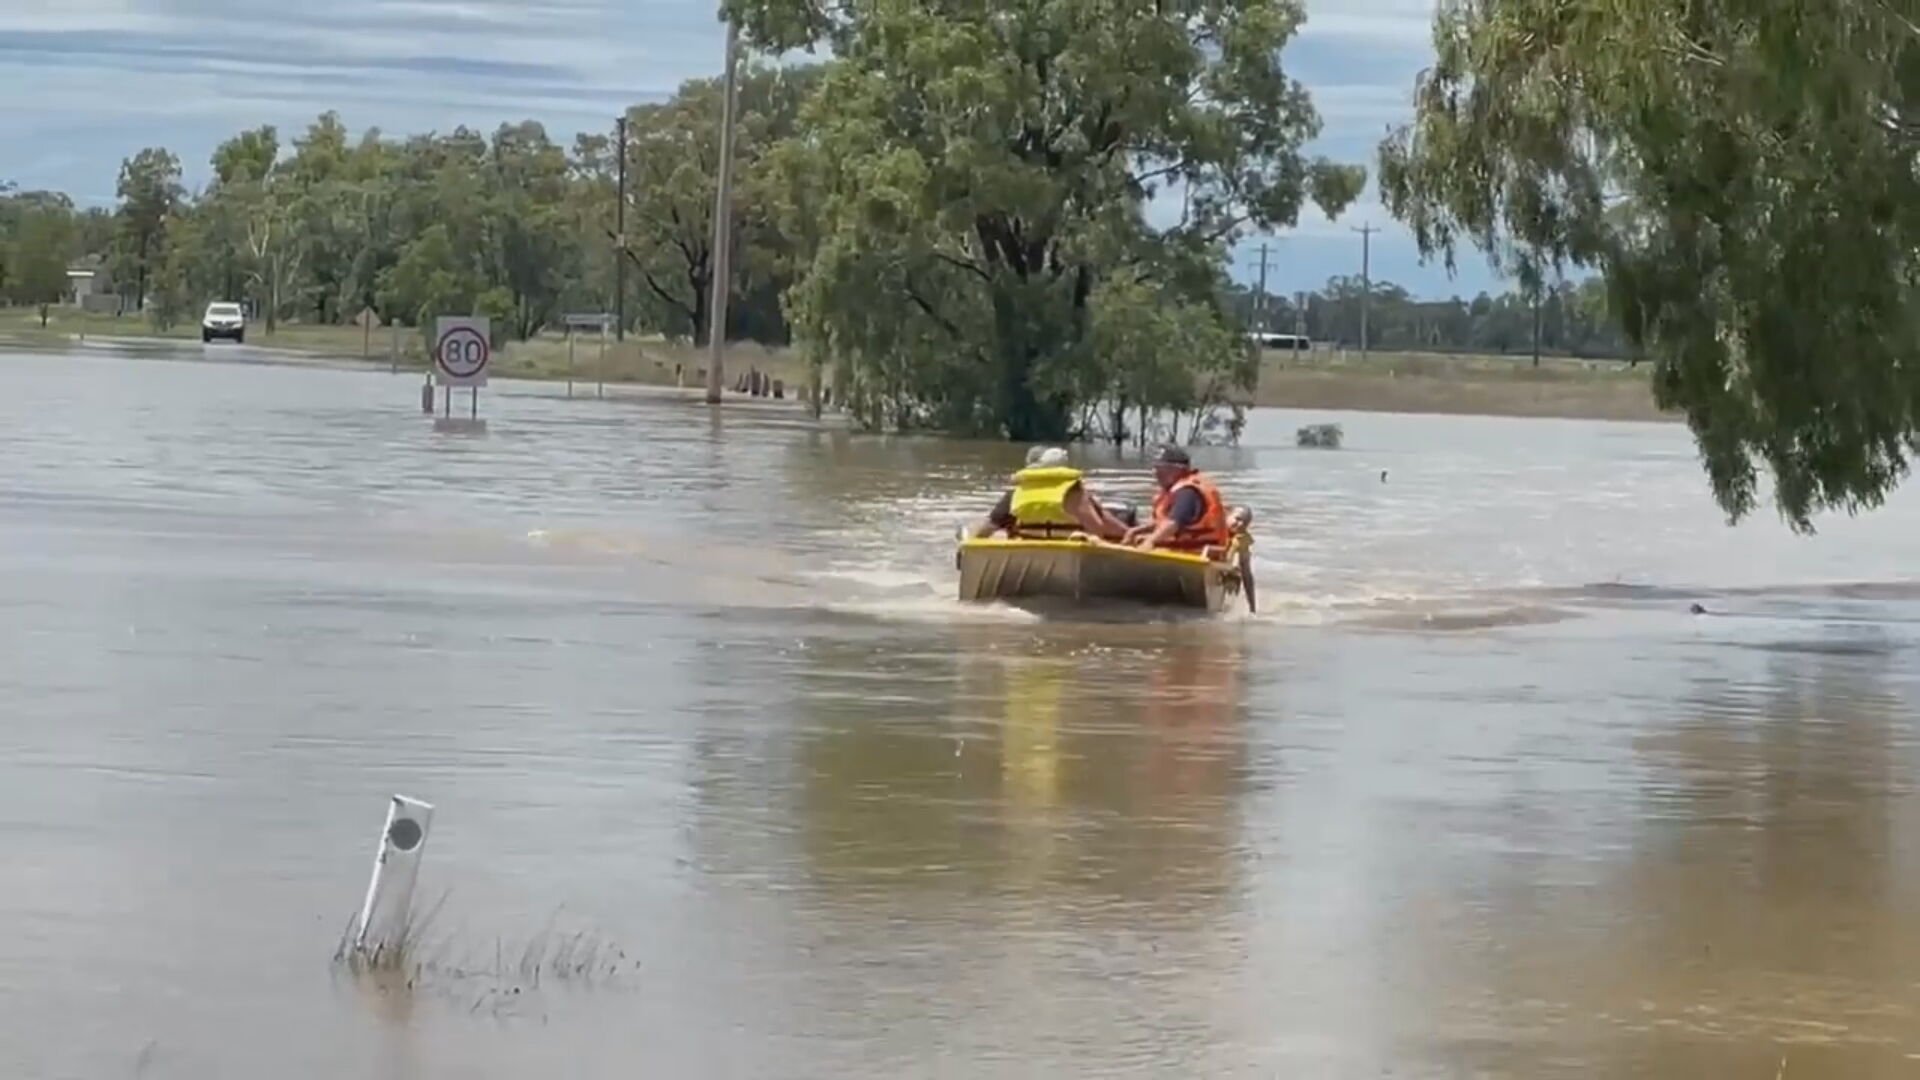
(1188, 512)
(1049, 501)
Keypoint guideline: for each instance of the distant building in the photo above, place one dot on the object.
(89, 287)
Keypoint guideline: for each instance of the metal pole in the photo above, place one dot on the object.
(722, 223)
(1366, 280)
(1536, 327)
(474, 404)
(569, 361)
(620, 236)
(1260, 305)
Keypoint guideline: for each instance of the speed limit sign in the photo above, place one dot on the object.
(462, 346)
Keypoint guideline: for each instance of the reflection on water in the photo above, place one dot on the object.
(1034, 774)
(1743, 901)
(1479, 798)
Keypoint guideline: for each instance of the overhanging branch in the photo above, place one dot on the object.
(927, 307)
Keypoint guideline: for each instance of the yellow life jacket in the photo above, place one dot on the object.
(1039, 502)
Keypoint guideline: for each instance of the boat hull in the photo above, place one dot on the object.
(1084, 571)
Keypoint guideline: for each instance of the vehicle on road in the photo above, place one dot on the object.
(223, 319)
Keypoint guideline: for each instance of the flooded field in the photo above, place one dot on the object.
(1475, 794)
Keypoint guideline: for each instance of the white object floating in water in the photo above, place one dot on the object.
(383, 918)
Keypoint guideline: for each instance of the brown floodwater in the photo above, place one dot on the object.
(1473, 795)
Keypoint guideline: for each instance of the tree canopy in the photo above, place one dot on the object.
(1743, 173)
(978, 173)
(1001, 217)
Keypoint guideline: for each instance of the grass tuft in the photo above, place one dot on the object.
(421, 960)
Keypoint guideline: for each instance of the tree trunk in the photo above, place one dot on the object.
(1023, 415)
(1536, 331)
(702, 285)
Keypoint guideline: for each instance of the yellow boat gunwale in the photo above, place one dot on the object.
(1084, 543)
(1082, 568)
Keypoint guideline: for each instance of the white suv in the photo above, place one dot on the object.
(223, 319)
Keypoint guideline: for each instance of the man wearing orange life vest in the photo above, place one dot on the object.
(1188, 513)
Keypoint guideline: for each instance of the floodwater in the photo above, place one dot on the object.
(1475, 794)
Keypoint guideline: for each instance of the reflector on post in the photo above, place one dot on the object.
(383, 918)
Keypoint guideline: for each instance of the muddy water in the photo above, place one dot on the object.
(1474, 795)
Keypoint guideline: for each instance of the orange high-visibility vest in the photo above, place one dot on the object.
(1211, 530)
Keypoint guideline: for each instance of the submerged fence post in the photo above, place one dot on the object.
(383, 918)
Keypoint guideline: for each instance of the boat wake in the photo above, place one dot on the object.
(752, 576)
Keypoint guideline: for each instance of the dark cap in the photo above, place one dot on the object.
(1173, 455)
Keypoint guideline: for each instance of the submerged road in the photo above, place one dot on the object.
(1475, 795)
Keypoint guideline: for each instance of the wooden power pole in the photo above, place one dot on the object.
(722, 223)
(1366, 279)
(620, 235)
(1264, 319)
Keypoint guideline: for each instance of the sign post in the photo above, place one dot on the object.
(576, 322)
(462, 350)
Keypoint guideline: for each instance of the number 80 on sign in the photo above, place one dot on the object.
(461, 350)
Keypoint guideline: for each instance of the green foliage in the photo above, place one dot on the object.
(427, 280)
(1742, 172)
(150, 196)
(1163, 364)
(673, 152)
(997, 217)
(247, 157)
(38, 263)
(976, 172)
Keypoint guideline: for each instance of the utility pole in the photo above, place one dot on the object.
(1366, 279)
(620, 236)
(1536, 327)
(1300, 315)
(722, 223)
(1260, 305)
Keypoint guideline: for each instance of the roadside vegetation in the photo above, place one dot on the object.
(961, 222)
(1740, 173)
(981, 260)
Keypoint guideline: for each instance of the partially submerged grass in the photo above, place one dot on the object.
(641, 359)
(1458, 384)
(421, 959)
(1328, 379)
(405, 954)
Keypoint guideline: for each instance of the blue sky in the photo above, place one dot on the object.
(94, 80)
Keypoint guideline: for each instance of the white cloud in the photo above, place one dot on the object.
(26, 15)
(1398, 22)
(1350, 106)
